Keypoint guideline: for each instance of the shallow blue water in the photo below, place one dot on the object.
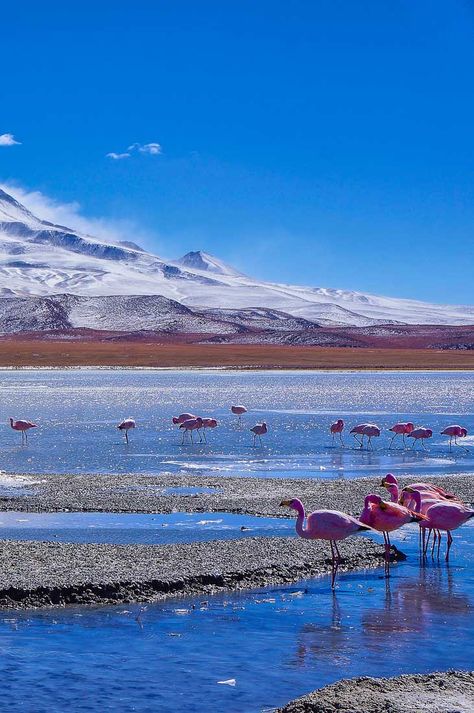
(78, 410)
(277, 644)
(139, 528)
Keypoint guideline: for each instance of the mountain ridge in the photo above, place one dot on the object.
(42, 259)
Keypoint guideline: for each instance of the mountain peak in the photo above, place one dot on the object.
(200, 260)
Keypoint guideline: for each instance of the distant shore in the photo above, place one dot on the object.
(25, 353)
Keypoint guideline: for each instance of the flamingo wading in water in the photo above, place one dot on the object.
(401, 429)
(259, 430)
(336, 428)
(208, 423)
(365, 429)
(455, 432)
(420, 434)
(22, 426)
(386, 517)
(329, 525)
(190, 425)
(178, 420)
(126, 425)
(238, 411)
(391, 484)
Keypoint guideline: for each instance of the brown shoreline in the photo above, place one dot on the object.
(18, 353)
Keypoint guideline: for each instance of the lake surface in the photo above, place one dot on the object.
(186, 654)
(139, 528)
(77, 412)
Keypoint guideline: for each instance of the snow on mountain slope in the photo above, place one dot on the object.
(199, 260)
(41, 258)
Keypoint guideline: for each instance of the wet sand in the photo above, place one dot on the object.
(69, 353)
(450, 692)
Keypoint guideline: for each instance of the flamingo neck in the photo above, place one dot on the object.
(394, 493)
(300, 528)
(417, 498)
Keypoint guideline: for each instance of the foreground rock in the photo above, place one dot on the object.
(36, 574)
(451, 692)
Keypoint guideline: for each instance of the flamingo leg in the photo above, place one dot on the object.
(204, 435)
(404, 441)
(335, 564)
(435, 537)
(427, 542)
(450, 541)
(439, 543)
(340, 438)
(387, 553)
(391, 441)
(339, 558)
(126, 436)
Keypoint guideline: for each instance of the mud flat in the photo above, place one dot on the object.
(56, 574)
(254, 496)
(450, 692)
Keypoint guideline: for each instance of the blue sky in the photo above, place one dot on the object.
(325, 142)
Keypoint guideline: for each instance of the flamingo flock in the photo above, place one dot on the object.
(431, 507)
(404, 429)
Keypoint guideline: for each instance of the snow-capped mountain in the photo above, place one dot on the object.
(39, 258)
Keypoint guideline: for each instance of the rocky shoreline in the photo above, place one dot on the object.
(450, 692)
(57, 574)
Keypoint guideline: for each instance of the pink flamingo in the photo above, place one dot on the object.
(401, 429)
(329, 525)
(365, 429)
(126, 425)
(238, 411)
(386, 517)
(358, 431)
(337, 427)
(420, 434)
(391, 484)
(445, 516)
(208, 423)
(24, 427)
(178, 420)
(455, 432)
(259, 430)
(190, 425)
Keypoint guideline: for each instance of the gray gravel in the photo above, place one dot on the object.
(36, 574)
(450, 692)
(259, 496)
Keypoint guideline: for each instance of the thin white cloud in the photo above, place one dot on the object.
(117, 156)
(8, 140)
(70, 215)
(153, 149)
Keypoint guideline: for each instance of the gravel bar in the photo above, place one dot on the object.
(254, 496)
(450, 692)
(56, 574)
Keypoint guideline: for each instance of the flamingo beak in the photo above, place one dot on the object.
(285, 503)
(384, 483)
(383, 506)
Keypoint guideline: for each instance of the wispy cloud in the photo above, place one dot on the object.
(70, 215)
(153, 148)
(8, 140)
(117, 156)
